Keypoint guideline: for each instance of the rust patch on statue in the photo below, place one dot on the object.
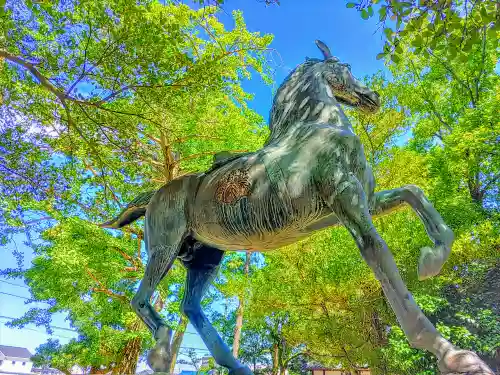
(232, 187)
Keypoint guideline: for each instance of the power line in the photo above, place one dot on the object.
(62, 328)
(37, 330)
(73, 330)
(22, 297)
(25, 298)
(51, 326)
(7, 282)
(15, 295)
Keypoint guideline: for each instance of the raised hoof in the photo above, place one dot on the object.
(241, 371)
(431, 261)
(159, 358)
(463, 362)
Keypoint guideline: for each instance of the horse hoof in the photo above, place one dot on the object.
(463, 362)
(159, 358)
(431, 261)
(244, 370)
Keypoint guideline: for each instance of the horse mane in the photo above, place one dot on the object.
(304, 66)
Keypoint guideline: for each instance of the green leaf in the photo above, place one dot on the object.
(382, 13)
(350, 5)
(370, 11)
(491, 33)
(395, 58)
(388, 32)
(417, 41)
(468, 45)
(452, 51)
(463, 57)
(380, 55)
(364, 14)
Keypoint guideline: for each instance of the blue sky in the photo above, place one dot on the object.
(295, 25)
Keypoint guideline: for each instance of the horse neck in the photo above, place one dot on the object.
(304, 99)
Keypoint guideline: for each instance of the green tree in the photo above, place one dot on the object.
(465, 314)
(344, 318)
(452, 27)
(452, 110)
(53, 355)
(101, 101)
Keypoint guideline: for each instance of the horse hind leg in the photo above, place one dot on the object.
(165, 229)
(351, 206)
(431, 259)
(201, 270)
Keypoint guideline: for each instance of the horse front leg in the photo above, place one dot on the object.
(349, 202)
(431, 259)
(201, 270)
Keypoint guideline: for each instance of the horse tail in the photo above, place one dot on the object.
(134, 210)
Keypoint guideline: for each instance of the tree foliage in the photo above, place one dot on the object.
(438, 129)
(104, 100)
(99, 102)
(452, 27)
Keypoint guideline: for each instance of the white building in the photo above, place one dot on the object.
(15, 361)
(205, 361)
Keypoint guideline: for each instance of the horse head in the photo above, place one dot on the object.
(327, 82)
(344, 86)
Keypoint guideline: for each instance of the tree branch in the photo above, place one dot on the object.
(123, 253)
(450, 70)
(133, 87)
(481, 70)
(103, 289)
(429, 102)
(488, 184)
(201, 154)
(89, 167)
(353, 365)
(289, 359)
(184, 139)
(369, 139)
(154, 139)
(139, 246)
(82, 75)
(64, 97)
(31, 68)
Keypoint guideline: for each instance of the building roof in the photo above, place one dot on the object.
(332, 368)
(14, 351)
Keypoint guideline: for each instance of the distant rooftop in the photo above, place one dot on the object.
(14, 351)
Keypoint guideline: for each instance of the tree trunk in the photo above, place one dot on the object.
(177, 341)
(241, 308)
(275, 359)
(128, 360)
(96, 370)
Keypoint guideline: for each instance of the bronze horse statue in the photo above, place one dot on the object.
(311, 174)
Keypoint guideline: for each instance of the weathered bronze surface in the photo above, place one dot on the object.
(312, 173)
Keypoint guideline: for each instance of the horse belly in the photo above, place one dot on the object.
(261, 221)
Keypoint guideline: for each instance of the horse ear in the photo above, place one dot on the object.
(324, 49)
